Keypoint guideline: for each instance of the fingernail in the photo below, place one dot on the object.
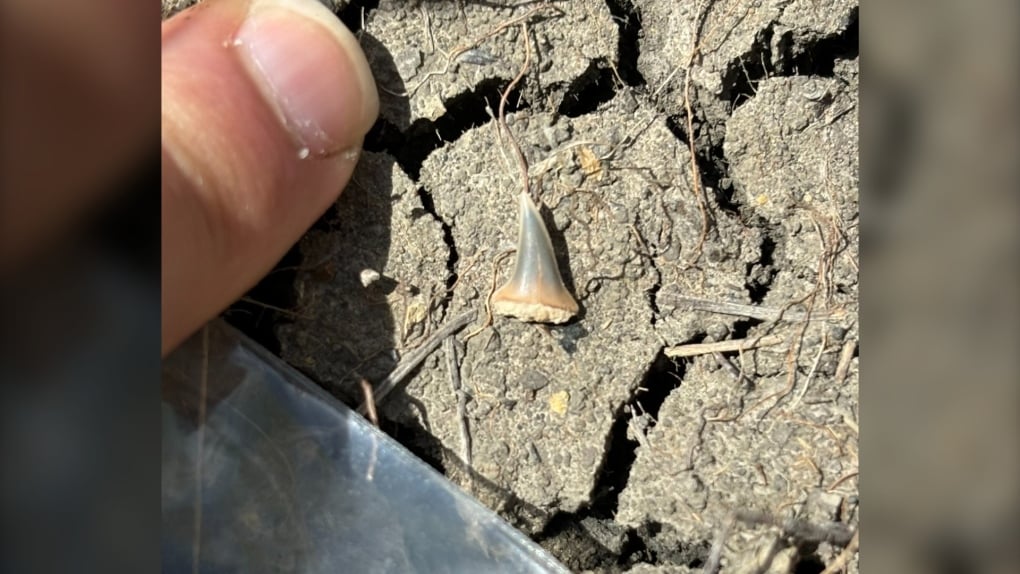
(311, 71)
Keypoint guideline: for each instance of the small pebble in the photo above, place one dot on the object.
(369, 276)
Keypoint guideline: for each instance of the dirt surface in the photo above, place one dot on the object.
(615, 440)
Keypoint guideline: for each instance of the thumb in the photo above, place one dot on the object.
(265, 104)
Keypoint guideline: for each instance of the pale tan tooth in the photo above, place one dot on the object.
(535, 291)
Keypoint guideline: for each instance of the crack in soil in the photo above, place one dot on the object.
(712, 165)
(588, 91)
(628, 22)
(746, 71)
(452, 255)
(583, 95)
(819, 57)
(470, 109)
(354, 12)
(653, 295)
(740, 82)
(761, 274)
(416, 439)
(662, 378)
(813, 58)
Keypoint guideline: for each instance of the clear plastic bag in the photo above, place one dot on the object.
(265, 472)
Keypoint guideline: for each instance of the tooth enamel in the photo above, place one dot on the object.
(535, 291)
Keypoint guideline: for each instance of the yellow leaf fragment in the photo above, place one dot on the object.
(558, 402)
(415, 313)
(590, 164)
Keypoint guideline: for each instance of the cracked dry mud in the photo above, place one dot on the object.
(588, 436)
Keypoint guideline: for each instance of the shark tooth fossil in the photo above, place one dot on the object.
(535, 292)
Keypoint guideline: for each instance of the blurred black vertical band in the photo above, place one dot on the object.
(129, 229)
(79, 287)
(80, 432)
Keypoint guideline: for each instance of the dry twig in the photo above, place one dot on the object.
(835, 533)
(699, 18)
(841, 480)
(451, 57)
(791, 367)
(844, 557)
(522, 163)
(411, 360)
(453, 369)
(715, 553)
(737, 374)
(373, 417)
(682, 303)
(699, 192)
(728, 346)
(792, 531)
(281, 310)
(369, 401)
(488, 298)
(845, 357)
(811, 373)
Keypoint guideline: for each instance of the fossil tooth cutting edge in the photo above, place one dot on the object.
(535, 292)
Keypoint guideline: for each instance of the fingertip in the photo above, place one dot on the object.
(265, 106)
(287, 46)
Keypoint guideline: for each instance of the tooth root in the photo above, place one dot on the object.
(535, 291)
